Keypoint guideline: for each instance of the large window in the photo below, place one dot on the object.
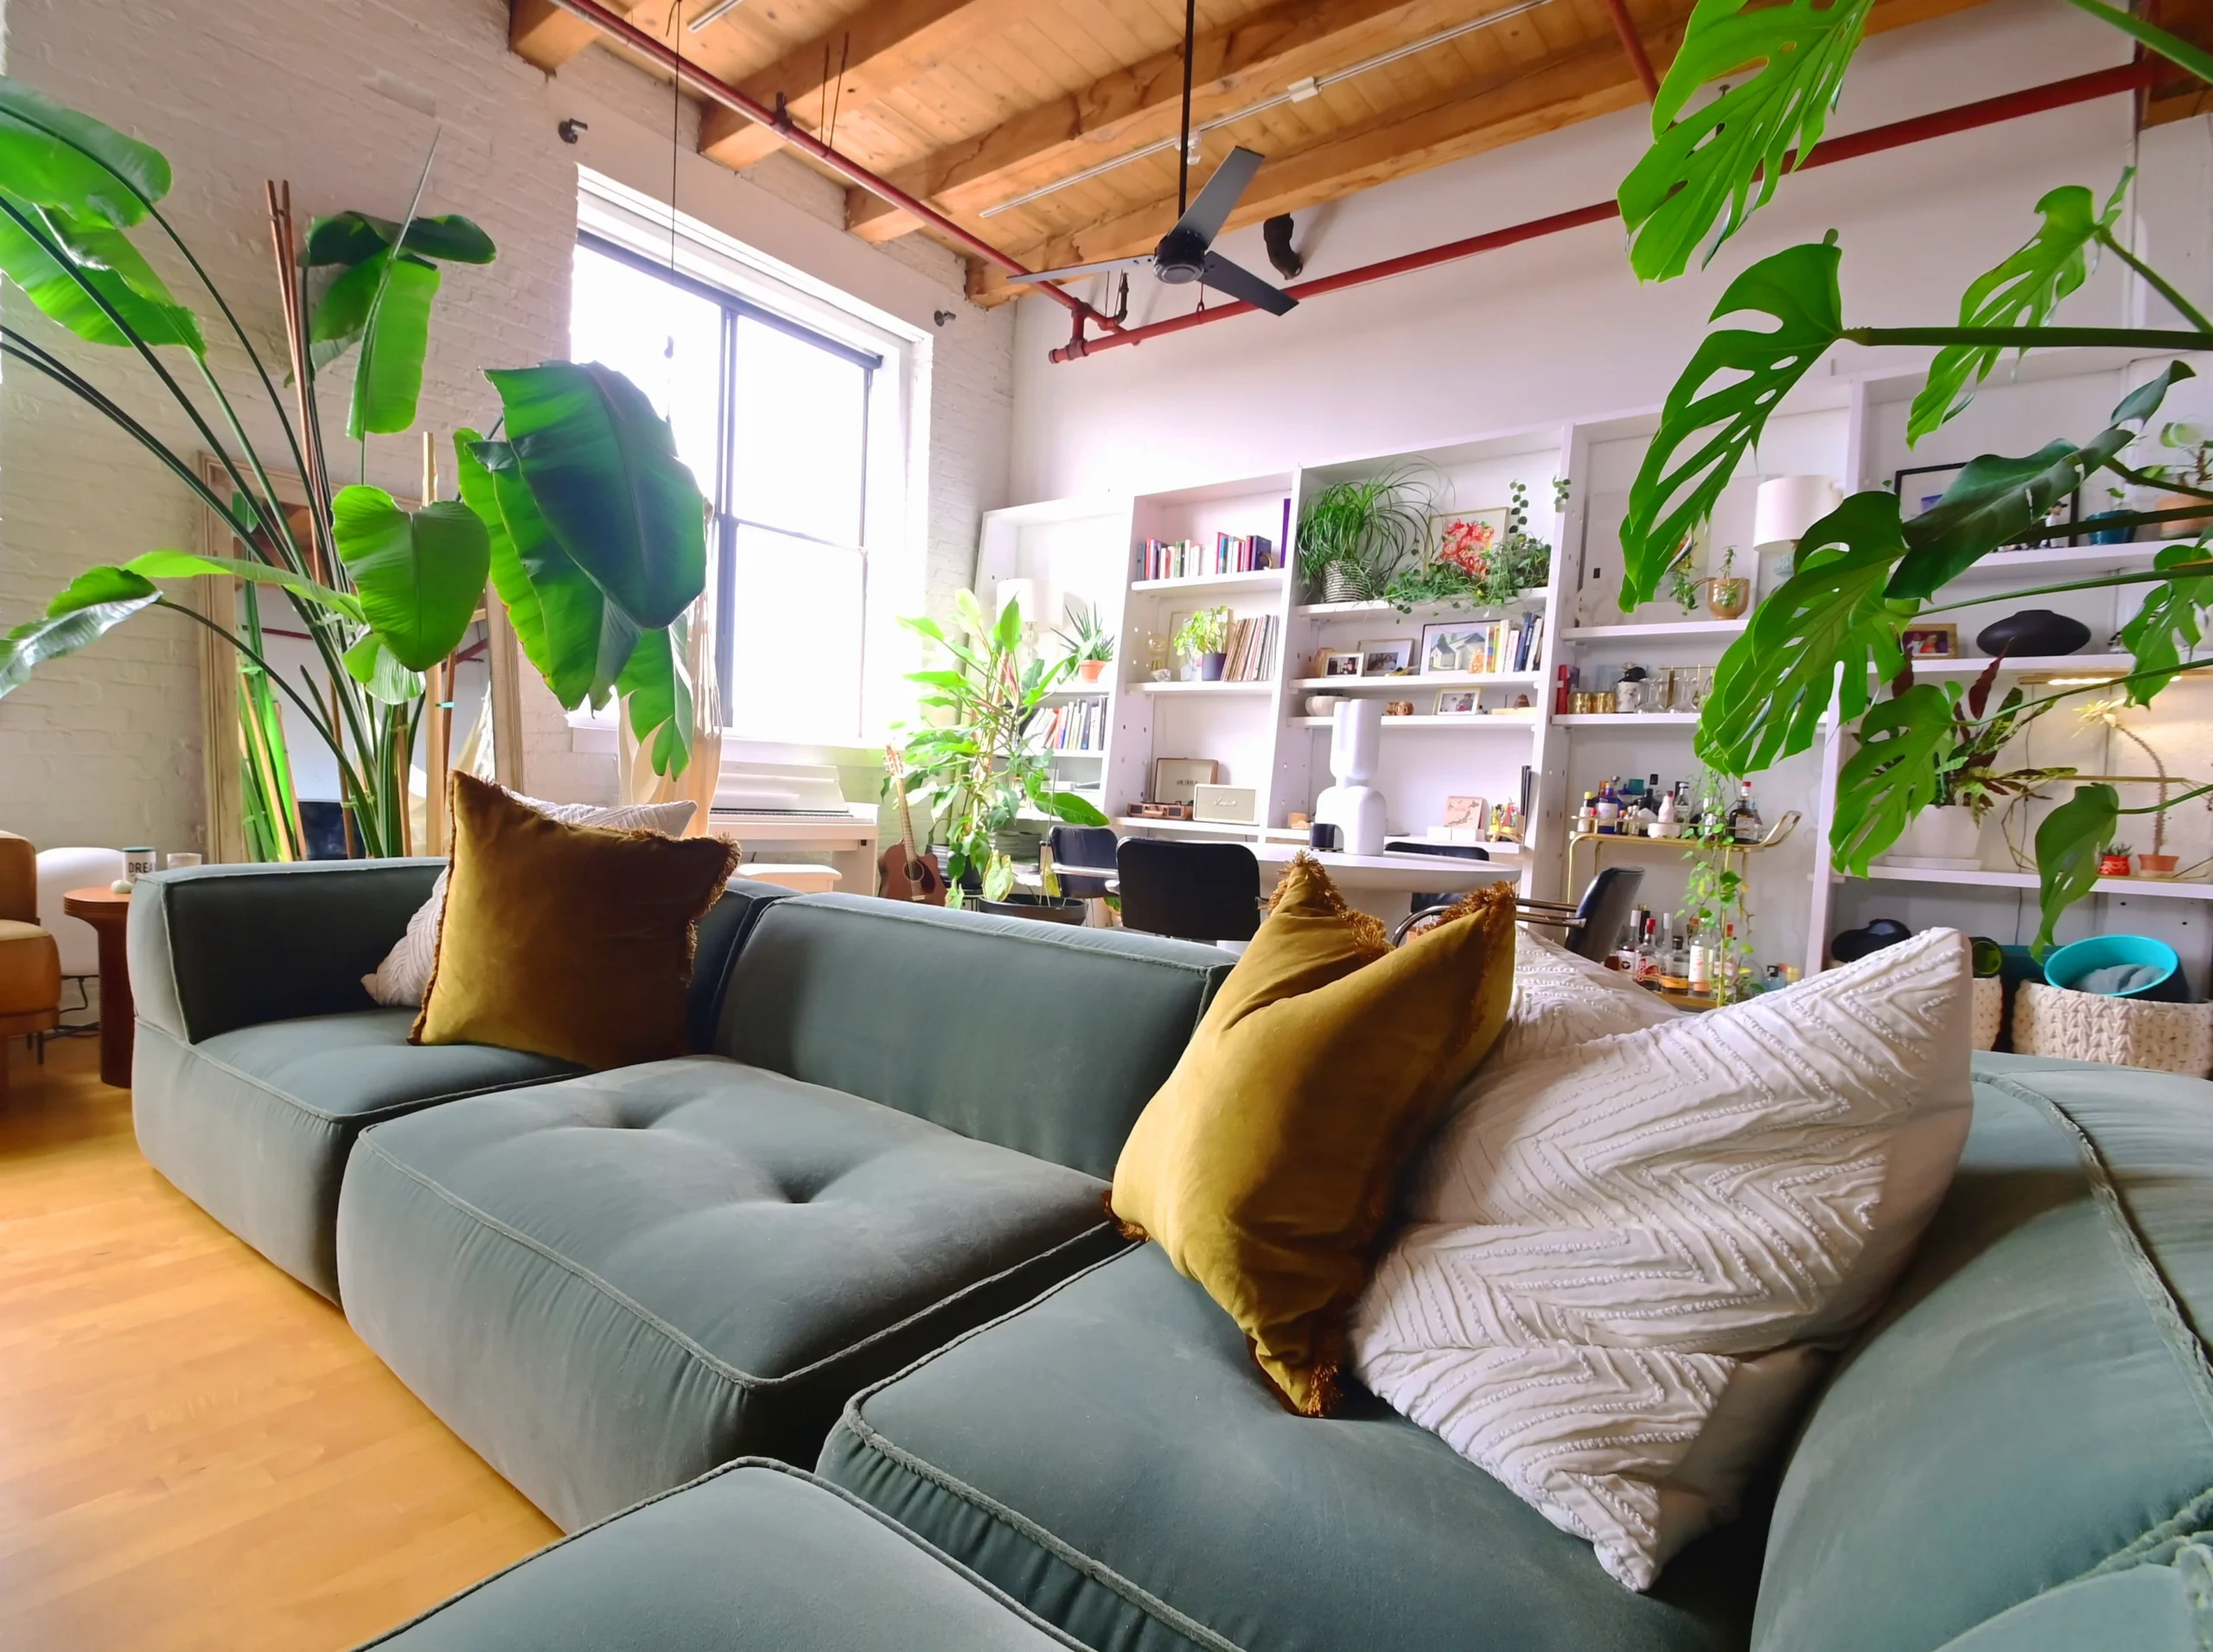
(773, 417)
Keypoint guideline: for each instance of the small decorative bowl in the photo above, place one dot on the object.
(1324, 704)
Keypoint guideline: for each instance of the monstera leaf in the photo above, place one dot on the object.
(1777, 680)
(2167, 628)
(1672, 496)
(420, 576)
(601, 469)
(2023, 292)
(1893, 775)
(2068, 843)
(1700, 176)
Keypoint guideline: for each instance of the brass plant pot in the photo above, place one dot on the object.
(1727, 598)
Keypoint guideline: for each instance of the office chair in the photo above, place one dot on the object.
(1195, 891)
(1594, 923)
(1075, 845)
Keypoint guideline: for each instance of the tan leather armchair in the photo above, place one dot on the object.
(30, 963)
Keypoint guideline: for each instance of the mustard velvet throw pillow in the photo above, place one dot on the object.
(569, 941)
(1265, 1165)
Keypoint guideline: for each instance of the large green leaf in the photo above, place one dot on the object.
(2023, 292)
(395, 334)
(94, 603)
(352, 237)
(1893, 775)
(2167, 628)
(372, 664)
(602, 468)
(189, 564)
(1996, 500)
(420, 576)
(1777, 680)
(1699, 177)
(578, 640)
(1671, 498)
(2068, 846)
(61, 263)
(657, 698)
(54, 156)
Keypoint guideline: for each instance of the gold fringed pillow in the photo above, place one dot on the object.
(1265, 1165)
(569, 941)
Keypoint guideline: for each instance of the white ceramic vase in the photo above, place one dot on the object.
(1947, 833)
(1353, 806)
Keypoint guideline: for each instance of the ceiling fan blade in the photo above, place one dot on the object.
(1070, 272)
(1218, 199)
(1237, 281)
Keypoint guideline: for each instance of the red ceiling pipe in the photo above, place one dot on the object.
(1632, 43)
(688, 73)
(2056, 94)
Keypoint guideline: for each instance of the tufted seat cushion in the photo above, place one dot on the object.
(609, 1285)
(30, 970)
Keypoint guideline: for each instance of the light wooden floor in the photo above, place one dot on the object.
(195, 1451)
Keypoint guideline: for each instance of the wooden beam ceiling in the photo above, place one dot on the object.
(540, 32)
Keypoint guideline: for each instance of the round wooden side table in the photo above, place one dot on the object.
(108, 913)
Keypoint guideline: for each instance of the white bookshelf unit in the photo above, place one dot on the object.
(1262, 735)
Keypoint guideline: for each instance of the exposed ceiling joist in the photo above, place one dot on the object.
(878, 48)
(540, 32)
(1258, 55)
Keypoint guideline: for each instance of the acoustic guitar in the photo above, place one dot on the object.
(906, 873)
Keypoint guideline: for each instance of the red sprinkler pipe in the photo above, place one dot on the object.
(1989, 111)
(718, 91)
(1633, 44)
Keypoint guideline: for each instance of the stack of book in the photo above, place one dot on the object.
(1076, 726)
(1231, 553)
(1251, 650)
(1506, 645)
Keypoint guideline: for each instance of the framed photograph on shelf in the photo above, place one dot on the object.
(1385, 656)
(1450, 647)
(1466, 539)
(1336, 662)
(1177, 780)
(1935, 640)
(1458, 702)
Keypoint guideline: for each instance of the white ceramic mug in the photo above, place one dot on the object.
(137, 862)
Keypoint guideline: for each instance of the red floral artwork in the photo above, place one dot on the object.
(1467, 546)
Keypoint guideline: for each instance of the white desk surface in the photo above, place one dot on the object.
(1402, 872)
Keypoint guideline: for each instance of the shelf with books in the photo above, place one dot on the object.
(1262, 686)
(1425, 679)
(1264, 579)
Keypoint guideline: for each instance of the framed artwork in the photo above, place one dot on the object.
(1339, 663)
(1466, 539)
(1177, 780)
(1458, 702)
(1450, 647)
(1465, 812)
(1934, 641)
(1385, 656)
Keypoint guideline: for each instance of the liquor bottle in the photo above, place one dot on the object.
(1648, 952)
(1675, 958)
(1607, 808)
(1700, 970)
(1745, 823)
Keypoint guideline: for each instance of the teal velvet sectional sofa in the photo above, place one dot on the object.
(860, 1232)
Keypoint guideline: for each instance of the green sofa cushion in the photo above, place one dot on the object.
(2156, 1608)
(755, 1558)
(255, 1125)
(1109, 1456)
(1041, 1037)
(609, 1285)
(2034, 1405)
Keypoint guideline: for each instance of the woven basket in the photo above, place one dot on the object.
(1989, 1011)
(2120, 1032)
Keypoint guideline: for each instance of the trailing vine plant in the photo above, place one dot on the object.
(1828, 640)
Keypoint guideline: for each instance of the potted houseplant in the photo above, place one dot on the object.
(1087, 641)
(2112, 860)
(1203, 637)
(1727, 593)
(1354, 535)
(976, 762)
(1968, 782)
(1462, 573)
(2183, 479)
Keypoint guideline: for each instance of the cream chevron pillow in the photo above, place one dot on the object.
(405, 975)
(1625, 1259)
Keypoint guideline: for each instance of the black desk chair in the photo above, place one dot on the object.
(1451, 851)
(1593, 924)
(1075, 846)
(1195, 892)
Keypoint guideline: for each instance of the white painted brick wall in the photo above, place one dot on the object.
(104, 748)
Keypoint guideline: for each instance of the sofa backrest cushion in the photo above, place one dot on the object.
(722, 933)
(2035, 1405)
(1041, 1037)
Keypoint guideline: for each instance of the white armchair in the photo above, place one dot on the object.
(60, 871)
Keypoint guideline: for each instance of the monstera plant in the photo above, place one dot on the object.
(1828, 638)
(590, 532)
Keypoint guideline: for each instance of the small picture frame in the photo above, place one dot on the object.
(1338, 662)
(1387, 656)
(1465, 812)
(1935, 640)
(1448, 647)
(1458, 702)
(1177, 780)
(1467, 539)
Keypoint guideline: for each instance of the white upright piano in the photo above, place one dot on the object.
(780, 811)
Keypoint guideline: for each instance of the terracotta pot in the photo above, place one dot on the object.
(2156, 865)
(1726, 598)
(1091, 670)
(2112, 865)
(2184, 528)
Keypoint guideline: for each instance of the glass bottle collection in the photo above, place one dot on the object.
(1639, 808)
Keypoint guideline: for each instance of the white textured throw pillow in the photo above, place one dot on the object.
(1624, 1258)
(405, 975)
(1561, 1001)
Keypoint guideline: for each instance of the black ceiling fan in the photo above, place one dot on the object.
(1186, 253)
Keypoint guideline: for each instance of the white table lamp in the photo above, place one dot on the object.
(1787, 505)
